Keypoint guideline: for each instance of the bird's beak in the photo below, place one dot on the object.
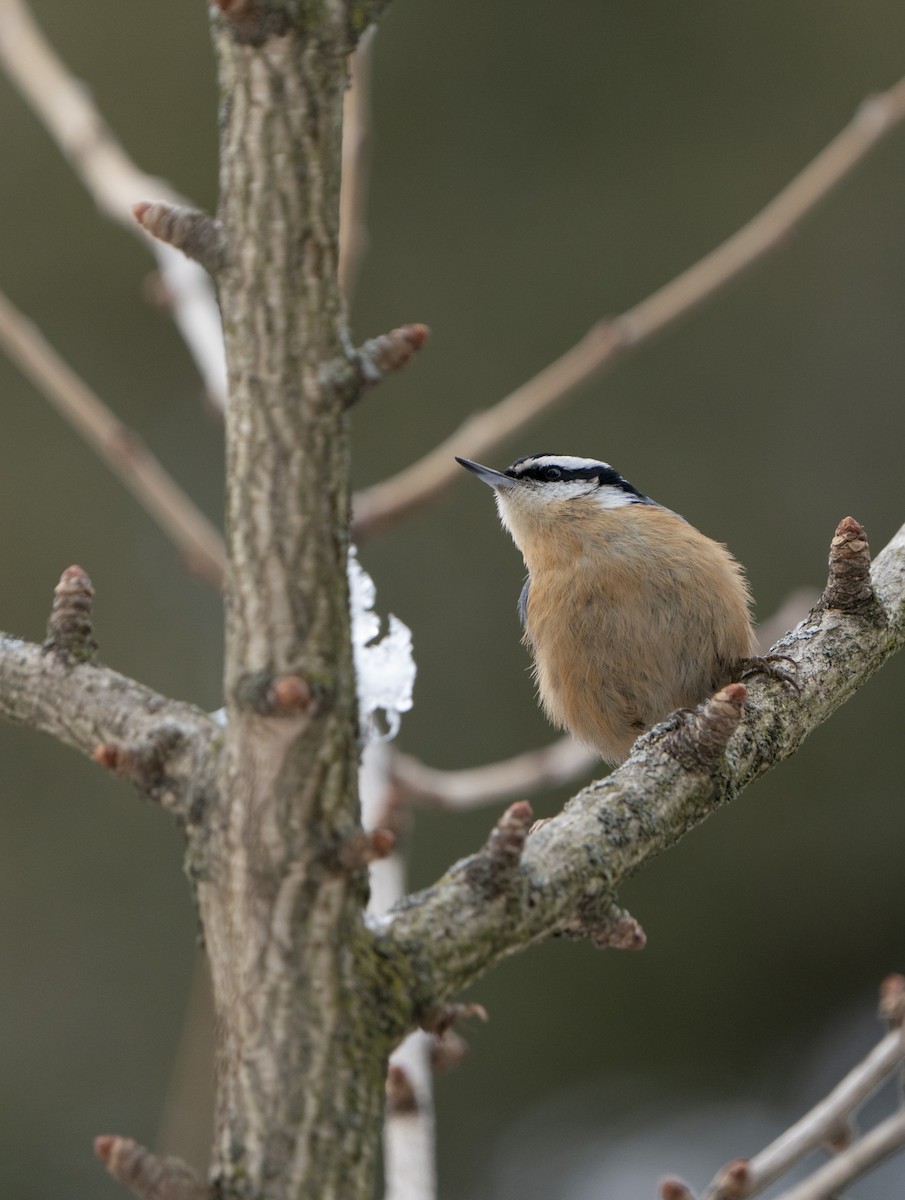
(494, 479)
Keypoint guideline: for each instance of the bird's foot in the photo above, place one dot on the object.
(771, 666)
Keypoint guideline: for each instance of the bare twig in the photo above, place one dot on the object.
(862, 1156)
(409, 1134)
(149, 1177)
(114, 181)
(611, 340)
(88, 707)
(787, 616)
(817, 1126)
(197, 234)
(353, 230)
(561, 762)
(121, 449)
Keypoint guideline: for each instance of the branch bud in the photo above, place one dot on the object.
(492, 868)
(381, 356)
(674, 1189)
(442, 1019)
(149, 1177)
(69, 630)
(849, 586)
(892, 1000)
(733, 1182)
(198, 235)
(701, 740)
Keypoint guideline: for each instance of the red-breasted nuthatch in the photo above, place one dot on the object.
(629, 611)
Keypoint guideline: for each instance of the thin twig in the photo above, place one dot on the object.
(121, 449)
(65, 107)
(826, 1118)
(353, 196)
(611, 340)
(563, 761)
(409, 1134)
(862, 1156)
(118, 723)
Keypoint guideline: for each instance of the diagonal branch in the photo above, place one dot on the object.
(572, 865)
(164, 746)
(121, 449)
(613, 339)
(114, 181)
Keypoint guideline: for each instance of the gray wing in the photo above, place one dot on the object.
(523, 602)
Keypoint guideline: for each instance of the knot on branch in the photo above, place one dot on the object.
(197, 234)
(700, 741)
(69, 630)
(148, 1176)
(848, 587)
(492, 868)
(142, 763)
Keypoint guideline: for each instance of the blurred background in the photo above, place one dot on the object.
(534, 168)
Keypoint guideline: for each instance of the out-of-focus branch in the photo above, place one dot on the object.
(865, 1154)
(114, 181)
(409, 1149)
(828, 1124)
(121, 449)
(563, 761)
(612, 339)
(819, 1127)
(353, 196)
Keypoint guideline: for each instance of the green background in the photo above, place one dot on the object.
(535, 167)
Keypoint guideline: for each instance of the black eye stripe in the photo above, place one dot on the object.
(551, 472)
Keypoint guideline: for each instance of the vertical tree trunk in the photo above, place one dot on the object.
(301, 1065)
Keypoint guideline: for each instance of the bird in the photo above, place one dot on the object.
(630, 613)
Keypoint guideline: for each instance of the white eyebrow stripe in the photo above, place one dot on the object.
(569, 461)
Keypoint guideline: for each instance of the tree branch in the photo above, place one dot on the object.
(146, 1175)
(165, 747)
(574, 863)
(114, 181)
(613, 339)
(118, 446)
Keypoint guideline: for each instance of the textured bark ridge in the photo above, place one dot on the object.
(302, 1059)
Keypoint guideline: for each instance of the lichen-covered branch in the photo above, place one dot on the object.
(572, 865)
(87, 706)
